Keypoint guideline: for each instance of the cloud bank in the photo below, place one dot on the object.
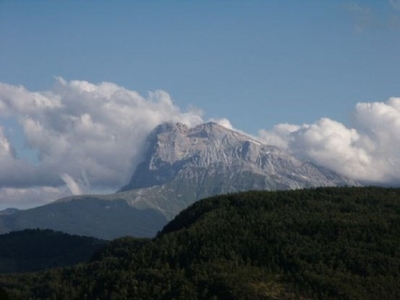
(90, 137)
(370, 151)
(85, 135)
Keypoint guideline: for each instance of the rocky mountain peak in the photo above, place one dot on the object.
(169, 127)
(176, 150)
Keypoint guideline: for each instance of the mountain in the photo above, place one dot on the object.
(181, 165)
(87, 216)
(236, 161)
(184, 165)
(323, 243)
(33, 250)
(8, 211)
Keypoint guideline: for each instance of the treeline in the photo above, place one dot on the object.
(324, 243)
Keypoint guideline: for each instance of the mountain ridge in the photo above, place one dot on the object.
(192, 156)
(183, 165)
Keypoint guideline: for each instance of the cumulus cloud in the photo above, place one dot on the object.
(72, 185)
(369, 152)
(91, 134)
(33, 196)
(14, 172)
(223, 122)
(90, 137)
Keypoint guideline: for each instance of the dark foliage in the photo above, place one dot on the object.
(35, 249)
(324, 243)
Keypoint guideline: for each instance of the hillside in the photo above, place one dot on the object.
(88, 216)
(324, 243)
(33, 250)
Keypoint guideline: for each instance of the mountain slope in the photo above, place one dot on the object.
(88, 217)
(181, 165)
(324, 243)
(185, 164)
(178, 152)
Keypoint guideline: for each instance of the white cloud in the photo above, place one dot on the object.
(14, 172)
(369, 151)
(72, 185)
(30, 197)
(280, 135)
(92, 132)
(223, 122)
(90, 137)
(5, 146)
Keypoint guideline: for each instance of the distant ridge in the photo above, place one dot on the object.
(8, 211)
(87, 216)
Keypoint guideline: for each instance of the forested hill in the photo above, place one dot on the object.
(324, 243)
(35, 249)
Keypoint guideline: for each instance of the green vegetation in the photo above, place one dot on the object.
(35, 249)
(324, 243)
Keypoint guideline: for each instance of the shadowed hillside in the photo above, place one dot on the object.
(34, 249)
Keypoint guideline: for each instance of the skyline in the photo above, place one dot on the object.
(329, 71)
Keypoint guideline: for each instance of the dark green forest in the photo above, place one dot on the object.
(323, 243)
(34, 249)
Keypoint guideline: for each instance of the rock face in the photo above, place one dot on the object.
(177, 152)
(186, 164)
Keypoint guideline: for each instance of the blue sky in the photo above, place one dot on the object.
(255, 63)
